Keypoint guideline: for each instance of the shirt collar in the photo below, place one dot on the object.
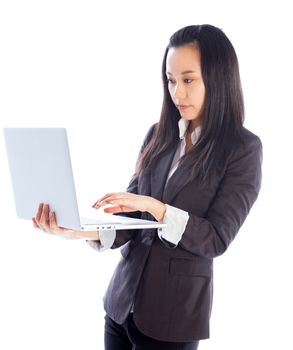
(183, 125)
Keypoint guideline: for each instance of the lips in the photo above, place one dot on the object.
(182, 106)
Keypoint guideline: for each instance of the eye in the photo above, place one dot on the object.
(186, 81)
(170, 81)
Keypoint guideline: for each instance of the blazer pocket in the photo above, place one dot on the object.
(189, 267)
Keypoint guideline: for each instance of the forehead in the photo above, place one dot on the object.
(183, 58)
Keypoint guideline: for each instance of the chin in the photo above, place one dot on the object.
(187, 117)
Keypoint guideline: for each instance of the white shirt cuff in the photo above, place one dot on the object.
(176, 220)
(107, 238)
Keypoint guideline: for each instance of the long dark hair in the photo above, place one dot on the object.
(223, 111)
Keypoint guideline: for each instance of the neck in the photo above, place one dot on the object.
(193, 124)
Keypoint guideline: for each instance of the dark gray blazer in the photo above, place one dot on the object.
(172, 288)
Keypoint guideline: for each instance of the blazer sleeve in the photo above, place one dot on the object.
(123, 236)
(211, 235)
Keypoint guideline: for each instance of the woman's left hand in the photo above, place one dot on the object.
(46, 221)
(128, 202)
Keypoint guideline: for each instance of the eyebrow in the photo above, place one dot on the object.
(185, 72)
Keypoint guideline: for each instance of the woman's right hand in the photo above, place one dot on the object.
(46, 221)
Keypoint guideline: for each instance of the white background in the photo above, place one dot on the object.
(95, 68)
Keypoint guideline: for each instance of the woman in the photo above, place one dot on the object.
(199, 171)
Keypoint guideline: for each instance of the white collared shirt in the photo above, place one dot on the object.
(175, 218)
(183, 125)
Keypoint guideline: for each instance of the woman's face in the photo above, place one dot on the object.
(185, 82)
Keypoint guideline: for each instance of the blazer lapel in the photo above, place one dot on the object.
(160, 172)
(179, 179)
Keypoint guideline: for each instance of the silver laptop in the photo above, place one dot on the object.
(41, 172)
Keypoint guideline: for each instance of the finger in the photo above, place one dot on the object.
(44, 220)
(118, 209)
(97, 203)
(103, 202)
(54, 228)
(37, 219)
(35, 223)
(59, 230)
(39, 212)
(115, 209)
(107, 197)
(118, 201)
(118, 197)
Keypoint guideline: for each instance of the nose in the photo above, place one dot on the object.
(179, 92)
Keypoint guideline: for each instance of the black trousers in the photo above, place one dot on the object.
(128, 337)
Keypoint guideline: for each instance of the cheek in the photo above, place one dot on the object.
(198, 96)
(171, 92)
(202, 96)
